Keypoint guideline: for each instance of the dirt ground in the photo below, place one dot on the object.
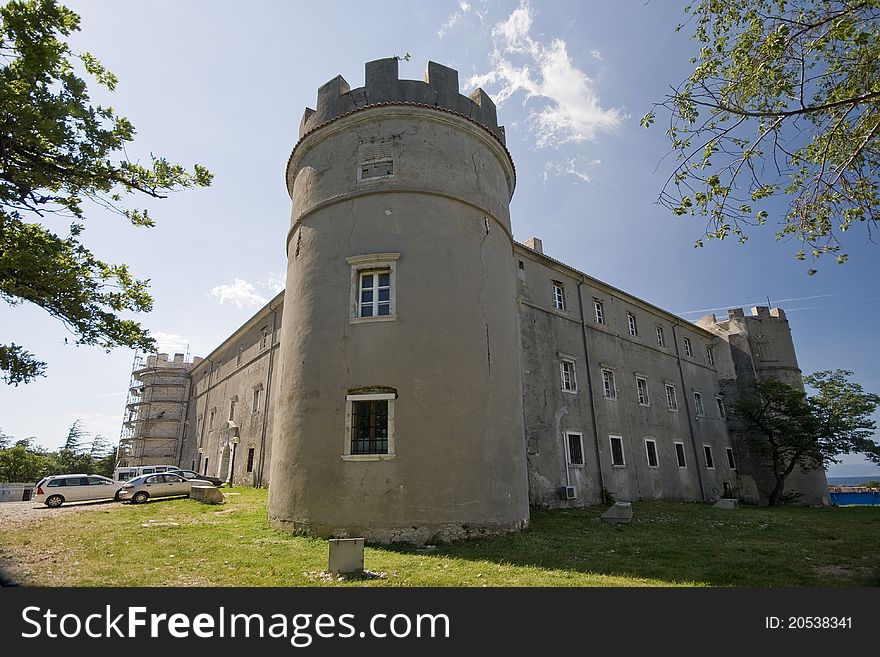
(17, 515)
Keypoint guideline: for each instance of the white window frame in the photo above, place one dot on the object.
(632, 324)
(682, 463)
(643, 396)
(719, 402)
(648, 453)
(599, 311)
(699, 409)
(559, 296)
(688, 351)
(346, 442)
(708, 456)
(710, 355)
(661, 339)
(611, 438)
(366, 264)
(731, 460)
(608, 381)
(671, 400)
(568, 376)
(580, 438)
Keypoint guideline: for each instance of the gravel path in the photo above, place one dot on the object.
(14, 515)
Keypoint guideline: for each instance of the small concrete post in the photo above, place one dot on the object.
(346, 556)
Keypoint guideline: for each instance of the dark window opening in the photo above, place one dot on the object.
(250, 459)
(369, 426)
(575, 449)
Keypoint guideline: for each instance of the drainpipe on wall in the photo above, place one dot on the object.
(258, 480)
(687, 408)
(590, 390)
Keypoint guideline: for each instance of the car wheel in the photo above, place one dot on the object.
(54, 501)
(140, 497)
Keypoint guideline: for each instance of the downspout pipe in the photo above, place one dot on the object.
(590, 388)
(258, 482)
(687, 408)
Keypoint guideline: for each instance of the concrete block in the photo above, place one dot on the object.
(726, 503)
(346, 556)
(207, 495)
(620, 512)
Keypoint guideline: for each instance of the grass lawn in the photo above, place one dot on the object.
(190, 544)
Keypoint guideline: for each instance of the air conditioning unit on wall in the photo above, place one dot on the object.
(568, 492)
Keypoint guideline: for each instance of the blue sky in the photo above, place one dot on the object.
(224, 84)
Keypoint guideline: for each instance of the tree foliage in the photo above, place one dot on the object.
(25, 461)
(58, 154)
(808, 432)
(784, 100)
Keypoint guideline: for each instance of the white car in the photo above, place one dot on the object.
(56, 490)
(142, 488)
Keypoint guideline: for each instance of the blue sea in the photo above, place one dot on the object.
(851, 481)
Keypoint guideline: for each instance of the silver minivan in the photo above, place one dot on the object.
(56, 490)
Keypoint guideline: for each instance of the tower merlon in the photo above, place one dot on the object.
(382, 86)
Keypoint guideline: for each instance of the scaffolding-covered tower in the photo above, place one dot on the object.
(155, 411)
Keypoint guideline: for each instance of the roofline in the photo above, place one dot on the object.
(249, 323)
(586, 278)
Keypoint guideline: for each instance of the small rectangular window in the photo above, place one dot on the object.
(679, 455)
(687, 347)
(569, 376)
(617, 451)
(651, 450)
(238, 356)
(575, 449)
(661, 341)
(730, 460)
(719, 401)
(698, 404)
(232, 403)
(375, 293)
(250, 459)
(600, 312)
(710, 356)
(264, 337)
(631, 321)
(710, 463)
(610, 389)
(211, 418)
(256, 406)
(558, 295)
(642, 390)
(671, 400)
(369, 426)
(522, 265)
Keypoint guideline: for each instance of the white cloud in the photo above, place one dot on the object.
(169, 342)
(569, 167)
(240, 293)
(274, 284)
(595, 54)
(464, 8)
(570, 109)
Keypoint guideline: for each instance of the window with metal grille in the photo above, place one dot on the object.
(617, 450)
(687, 347)
(600, 312)
(661, 341)
(375, 293)
(679, 455)
(250, 459)
(558, 295)
(575, 449)
(651, 450)
(369, 426)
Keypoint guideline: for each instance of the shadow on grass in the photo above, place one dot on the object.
(692, 543)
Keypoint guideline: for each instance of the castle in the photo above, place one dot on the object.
(424, 376)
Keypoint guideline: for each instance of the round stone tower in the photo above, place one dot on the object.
(399, 415)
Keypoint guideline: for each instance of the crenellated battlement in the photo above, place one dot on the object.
(382, 86)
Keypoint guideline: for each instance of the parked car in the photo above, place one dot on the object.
(191, 474)
(140, 489)
(56, 490)
(124, 474)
